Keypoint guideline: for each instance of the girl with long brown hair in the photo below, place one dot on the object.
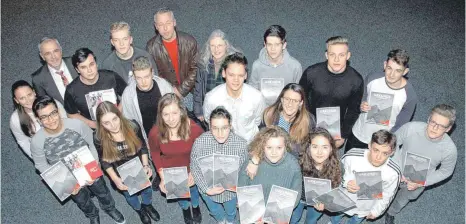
(170, 141)
(117, 141)
(318, 159)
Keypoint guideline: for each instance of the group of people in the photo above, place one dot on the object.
(169, 106)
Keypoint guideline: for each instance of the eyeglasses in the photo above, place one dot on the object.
(53, 114)
(220, 129)
(288, 100)
(437, 125)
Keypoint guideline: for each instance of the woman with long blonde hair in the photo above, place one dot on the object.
(117, 141)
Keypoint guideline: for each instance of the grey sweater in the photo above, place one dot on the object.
(47, 149)
(285, 173)
(413, 138)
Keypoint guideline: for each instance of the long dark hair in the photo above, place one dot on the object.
(300, 126)
(185, 126)
(331, 168)
(25, 121)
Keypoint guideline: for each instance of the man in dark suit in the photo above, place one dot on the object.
(57, 72)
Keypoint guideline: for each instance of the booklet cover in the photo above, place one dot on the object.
(60, 180)
(93, 99)
(83, 165)
(314, 187)
(250, 203)
(280, 205)
(329, 118)
(133, 175)
(381, 108)
(176, 182)
(416, 168)
(206, 163)
(226, 169)
(271, 88)
(370, 184)
(335, 200)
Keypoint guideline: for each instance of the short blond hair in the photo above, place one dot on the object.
(117, 26)
(337, 40)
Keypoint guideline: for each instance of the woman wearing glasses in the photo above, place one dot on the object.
(23, 123)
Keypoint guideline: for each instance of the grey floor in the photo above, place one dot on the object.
(432, 31)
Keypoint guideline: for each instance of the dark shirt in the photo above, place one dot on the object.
(127, 66)
(326, 89)
(148, 102)
(75, 94)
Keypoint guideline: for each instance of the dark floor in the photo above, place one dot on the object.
(432, 31)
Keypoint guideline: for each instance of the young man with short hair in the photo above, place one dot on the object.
(121, 58)
(275, 67)
(57, 139)
(392, 84)
(334, 83)
(245, 103)
(430, 140)
(377, 158)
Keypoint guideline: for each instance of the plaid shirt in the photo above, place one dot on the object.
(213, 82)
(207, 145)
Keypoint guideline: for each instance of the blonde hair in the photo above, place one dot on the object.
(257, 146)
(117, 26)
(337, 40)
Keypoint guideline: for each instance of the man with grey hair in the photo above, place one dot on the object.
(56, 73)
(334, 83)
(175, 53)
(429, 140)
(121, 58)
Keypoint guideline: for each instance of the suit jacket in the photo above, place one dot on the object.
(44, 84)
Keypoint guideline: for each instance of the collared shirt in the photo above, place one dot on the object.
(57, 78)
(246, 110)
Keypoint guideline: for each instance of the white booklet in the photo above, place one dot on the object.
(381, 108)
(280, 205)
(335, 200)
(60, 180)
(176, 182)
(133, 175)
(250, 203)
(226, 169)
(370, 183)
(329, 118)
(93, 99)
(82, 164)
(271, 89)
(313, 187)
(416, 168)
(206, 163)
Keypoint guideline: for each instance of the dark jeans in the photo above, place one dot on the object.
(100, 190)
(354, 142)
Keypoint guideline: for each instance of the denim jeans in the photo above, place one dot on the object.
(100, 190)
(221, 211)
(133, 200)
(193, 201)
(312, 215)
(355, 219)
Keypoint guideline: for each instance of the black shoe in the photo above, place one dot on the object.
(156, 183)
(117, 216)
(389, 219)
(150, 210)
(188, 218)
(143, 216)
(197, 216)
(94, 220)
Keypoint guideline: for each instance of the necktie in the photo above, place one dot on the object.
(63, 77)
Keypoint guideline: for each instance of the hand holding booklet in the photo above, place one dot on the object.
(175, 180)
(416, 168)
(313, 187)
(226, 169)
(280, 205)
(60, 180)
(370, 184)
(250, 203)
(134, 176)
(83, 165)
(335, 200)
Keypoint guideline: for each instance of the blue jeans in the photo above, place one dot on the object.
(312, 215)
(355, 219)
(221, 211)
(185, 203)
(133, 200)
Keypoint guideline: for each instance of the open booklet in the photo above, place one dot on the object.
(250, 203)
(60, 180)
(381, 108)
(176, 182)
(93, 99)
(416, 168)
(313, 187)
(280, 205)
(83, 165)
(329, 118)
(370, 184)
(226, 169)
(134, 176)
(335, 200)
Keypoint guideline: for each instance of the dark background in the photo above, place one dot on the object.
(432, 32)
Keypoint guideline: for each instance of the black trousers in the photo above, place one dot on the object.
(100, 190)
(354, 142)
